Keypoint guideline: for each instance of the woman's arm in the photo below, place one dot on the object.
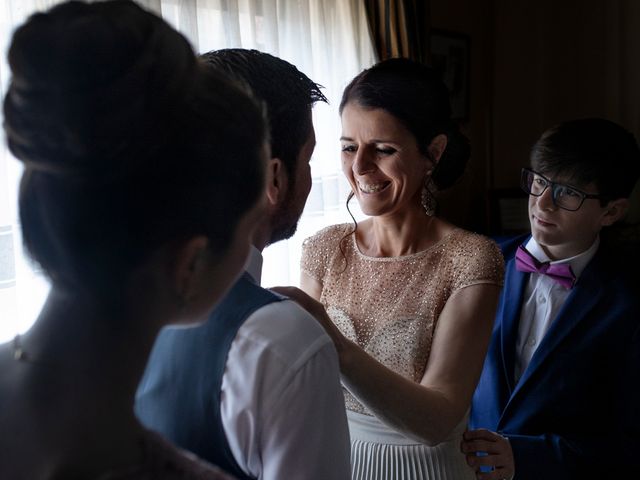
(427, 411)
(310, 286)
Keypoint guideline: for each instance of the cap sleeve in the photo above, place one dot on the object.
(478, 260)
(319, 250)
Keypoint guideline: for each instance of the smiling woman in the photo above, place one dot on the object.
(408, 298)
(382, 161)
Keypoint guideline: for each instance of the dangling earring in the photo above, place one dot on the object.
(429, 202)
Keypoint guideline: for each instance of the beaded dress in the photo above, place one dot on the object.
(390, 307)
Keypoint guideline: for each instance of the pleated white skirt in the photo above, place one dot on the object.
(379, 453)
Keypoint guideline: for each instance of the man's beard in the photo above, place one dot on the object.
(285, 220)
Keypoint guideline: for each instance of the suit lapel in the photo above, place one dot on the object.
(583, 298)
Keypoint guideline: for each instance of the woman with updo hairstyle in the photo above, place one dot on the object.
(143, 176)
(408, 299)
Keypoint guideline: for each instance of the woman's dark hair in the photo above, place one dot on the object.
(287, 92)
(128, 142)
(417, 97)
(590, 150)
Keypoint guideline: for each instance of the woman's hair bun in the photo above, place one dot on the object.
(72, 106)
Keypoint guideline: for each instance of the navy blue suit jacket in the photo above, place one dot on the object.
(575, 413)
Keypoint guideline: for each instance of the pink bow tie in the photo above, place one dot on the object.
(561, 273)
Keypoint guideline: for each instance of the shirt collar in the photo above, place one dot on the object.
(578, 263)
(253, 265)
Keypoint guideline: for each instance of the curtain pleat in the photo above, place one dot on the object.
(399, 28)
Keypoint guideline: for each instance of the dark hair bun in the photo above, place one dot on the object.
(128, 141)
(73, 106)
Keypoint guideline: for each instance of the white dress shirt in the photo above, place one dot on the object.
(543, 299)
(282, 404)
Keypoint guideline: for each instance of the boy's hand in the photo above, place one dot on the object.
(489, 454)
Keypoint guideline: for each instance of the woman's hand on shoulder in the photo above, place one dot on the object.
(306, 301)
(316, 309)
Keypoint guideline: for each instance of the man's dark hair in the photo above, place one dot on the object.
(288, 94)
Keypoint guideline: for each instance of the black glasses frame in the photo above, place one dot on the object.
(555, 188)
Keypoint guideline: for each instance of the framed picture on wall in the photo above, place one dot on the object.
(449, 54)
(508, 211)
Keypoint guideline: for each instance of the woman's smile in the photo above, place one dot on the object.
(372, 188)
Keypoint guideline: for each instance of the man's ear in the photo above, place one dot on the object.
(191, 257)
(614, 211)
(277, 181)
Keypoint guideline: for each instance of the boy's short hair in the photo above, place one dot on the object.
(590, 150)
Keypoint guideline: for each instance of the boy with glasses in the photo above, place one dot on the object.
(559, 395)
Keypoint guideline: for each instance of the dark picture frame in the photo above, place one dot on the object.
(450, 54)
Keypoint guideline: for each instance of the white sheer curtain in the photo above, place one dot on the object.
(326, 39)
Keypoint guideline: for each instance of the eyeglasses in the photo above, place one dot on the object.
(563, 196)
